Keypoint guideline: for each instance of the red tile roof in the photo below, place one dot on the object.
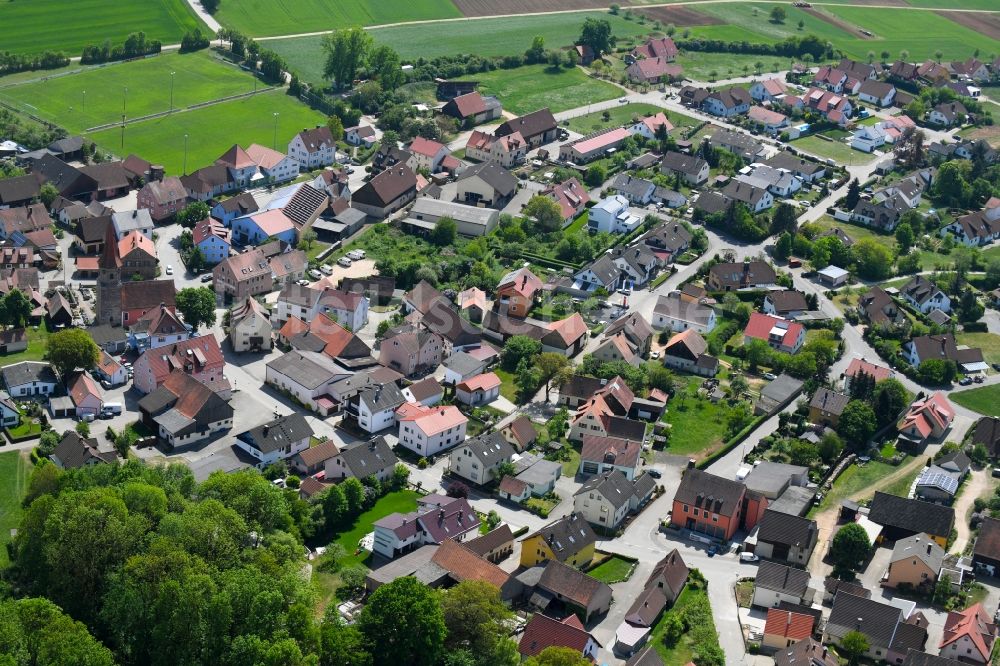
(82, 387)
(543, 632)
(426, 147)
(787, 624)
(463, 564)
(570, 329)
(236, 158)
(860, 365)
(761, 325)
(973, 622)
(431, 420)
(483, 382)
(522, 282)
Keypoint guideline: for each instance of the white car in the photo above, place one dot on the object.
(326, 269)
(770, 376)
(654, 355)
(170, 269)
(315, 274)
(356, 255)
(345, 262)
(749, 557)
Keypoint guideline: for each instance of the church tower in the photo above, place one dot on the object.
(109, 281)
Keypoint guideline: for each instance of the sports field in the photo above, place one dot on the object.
(33, 26)
(484, 37)
(533, 87)
(95, 95)
(211, 130)
(259, 18)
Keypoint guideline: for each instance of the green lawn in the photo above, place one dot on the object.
(14, 472)
(985, 400)
(37, 341)
(836, 150)
(858, 478)
(94, 96)
(32, 26)
(699, 65)
(400, 501)
(28, 426)
(507, 389)
(988, 342)
(625, 113)
(697, 426)
(211, 130)
(533, 87)
(258, 18)
(615, 569)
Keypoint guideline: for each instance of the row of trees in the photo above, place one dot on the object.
(11, 63)
(136, 45)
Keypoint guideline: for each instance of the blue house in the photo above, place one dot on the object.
(234, 207)
(255, 229)
(213, 239)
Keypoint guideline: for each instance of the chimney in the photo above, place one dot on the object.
(266, 430)
(928, 549)
(135, 214)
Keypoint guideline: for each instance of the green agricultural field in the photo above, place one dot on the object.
(985, 400)
(620, 115)
(95, 95)
(484, 37)
(34, 26)
(260, 18)
(760, 26)
(919, 32)
(990, 5)
(211, 130)
(533, 87)
(14, 472)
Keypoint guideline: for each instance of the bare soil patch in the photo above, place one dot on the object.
(507, 7)
(679, 16)
(981, 22)
(838, 22)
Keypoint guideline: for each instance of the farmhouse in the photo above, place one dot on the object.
(472, 109)
(598, 144)
(486, 184)
(508, 151)
(313, 148)
(537, 128)
(387, 192)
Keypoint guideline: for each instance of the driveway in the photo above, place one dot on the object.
(979, 484)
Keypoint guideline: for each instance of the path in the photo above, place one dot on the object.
(209, 20)
(979, 484)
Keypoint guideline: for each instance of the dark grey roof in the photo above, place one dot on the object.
(875, 620)
(917, 658)
(73, 451)
(612, 485)
(581, 386)
(686, 164)
(787, 300)
(308, 371)
(28, 371)
(807, 652)
(785, 160)
(647, 656)
(784, 528)
(780, 578)
(492, 540)
(464, 363)
(567, 536)
(493, 175)
(829, 401)
(490, 448)
(371, 457)
(277, 433)
(708, 491)
(911, 515)
(382, 397)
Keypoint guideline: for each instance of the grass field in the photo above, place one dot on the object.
(698, 427)
(985, 400)
(533, 87)
(484, 37)
(700, 65)
(856, 232)
(95, 95)
(591, 122)
(704, 630)
(836, 150)
(857, 478)
(37, 342)
(742, 15)
(211, 130)
(896, 30)
(259, 18)
(615, 569)
(69, 25)
(14, 472)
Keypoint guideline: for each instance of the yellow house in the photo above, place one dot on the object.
(569, 540)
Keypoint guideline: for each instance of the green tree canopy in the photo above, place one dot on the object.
(70, 349)
(850, 547)
(476, 620)
(518, 348)
(545, 212)
(596, 34)
(345, 52)
(404, 624)
(857, 424)
(197, 306)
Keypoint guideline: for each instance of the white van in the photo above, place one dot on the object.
(113, 408)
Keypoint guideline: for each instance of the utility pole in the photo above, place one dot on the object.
(172, 91)
(84, 101)
(274, 140)
(185, 154)
(123, 131)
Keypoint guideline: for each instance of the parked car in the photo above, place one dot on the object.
(978, 379)
(770, 376)
(315, 274)
(170, 269)
(207, 277)
(654, 355)
(712, 550)
(965, 381)
(655, 473)
(345, 262)
(106, 384)
(356, 254)
(749, 557)
(326, 269)
(996, 366)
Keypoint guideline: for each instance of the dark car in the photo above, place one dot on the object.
(655, 473)
(965, 381)
(105, 415)
(996, 366)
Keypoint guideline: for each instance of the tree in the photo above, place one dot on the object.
(307, 239)
(830, 447)
(857, 424)
(904, 236)
(36, 631)
(47, 194)
(83, 429)
(553, 368)
(516, 349)
(404, 624)
(536, 52)
(336, 127)
(476, 620)
(778, 14)
(192, 214)
(386, 67)
(783, 219)
(197, 306)
(345, 52)
(595, 175)
(70, 349)
(853, 195)
(801, 24)
(444, 232)
(210, 6)
(527, 379)
(980, 455)
(545, 212)
(873, 260)
(15, 309)
(596, 34)
(354, 494)
(890, 397)
(400, 476)
(942, 590)
(342, 645)
(854, 644)
(936, 371)
(850, 547)
(558, 656)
